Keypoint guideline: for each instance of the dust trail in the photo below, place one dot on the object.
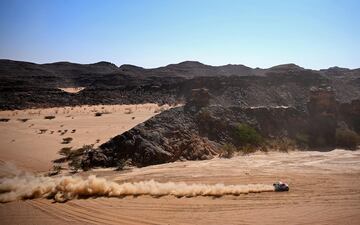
(66, 188)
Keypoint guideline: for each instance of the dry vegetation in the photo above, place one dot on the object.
(347, 139)
(248, 141)
(66, 140)
(128, 111)
(23, 120)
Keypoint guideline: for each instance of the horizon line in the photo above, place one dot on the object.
(194, 61)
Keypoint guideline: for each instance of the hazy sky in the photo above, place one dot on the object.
(149, 33)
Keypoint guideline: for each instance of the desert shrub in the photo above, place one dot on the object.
(74, 158)
(49, 117)
(227, 151)
(128, 110)
(67, 140)
(80, 151)
(101, 113)
(65, 151)
(122, 163)
(42, 131)
(302, 140)
(246, 135)
(55, 170)
(285, 144)
(4, 120)
(264, 148)
(98, 114)
(23, 120)
(346, 138)
(247, 149)
(161, 109)
(282, 144)
(75, 164)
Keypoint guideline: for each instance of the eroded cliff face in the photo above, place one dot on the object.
(197, 130)
(350, 113)
(323, 117)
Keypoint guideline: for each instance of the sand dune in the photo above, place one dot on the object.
(33, 137)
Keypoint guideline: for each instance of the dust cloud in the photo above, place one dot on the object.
(61, 189)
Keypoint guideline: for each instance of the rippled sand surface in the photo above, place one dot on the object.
(31, 141)
(324, 189)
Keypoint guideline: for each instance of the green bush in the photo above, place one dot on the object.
(227, 151)
(347, 139)
(246, 135)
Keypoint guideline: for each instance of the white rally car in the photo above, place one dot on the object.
(280, 186)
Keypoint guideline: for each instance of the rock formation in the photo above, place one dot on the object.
(323, 113)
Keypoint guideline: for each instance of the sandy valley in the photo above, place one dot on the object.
(179, 112)
(324, 186)
(32, 137)
(323, 190)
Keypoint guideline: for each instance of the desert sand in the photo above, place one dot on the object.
(324, 189)
(31, 141)
(72, 90)
(324, 186)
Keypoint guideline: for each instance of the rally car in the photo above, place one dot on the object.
(280, 186)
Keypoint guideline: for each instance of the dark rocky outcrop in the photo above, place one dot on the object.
(167, 137)
(323, 113)
(350, 113)
(197, 130)
(24, 85)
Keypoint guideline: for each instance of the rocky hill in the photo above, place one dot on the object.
(24, 84)
(200, 130)
(316, 109)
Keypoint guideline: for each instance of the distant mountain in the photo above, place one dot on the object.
(66, 73)
(52, 74)
(189, 69)
(25, 84)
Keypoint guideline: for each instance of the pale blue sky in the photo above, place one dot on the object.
(311, 33)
